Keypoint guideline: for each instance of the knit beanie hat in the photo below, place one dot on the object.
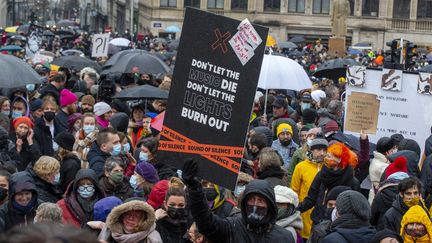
(21, 120)
(411, 145)
(318, 143)
(36, 105)
(317, 95)
(88, 99)
(101, 108)
(384, 144)
(353, 202)
(147, 171)
(104, 206)
(284, 194)
(157, 194)
(330, 126)
(385, 233)
(397, 138)
(335, 192)
(284, 127)
(309, 115)
(67, 98)
(65, 140)
(73, 118)
(398, 165)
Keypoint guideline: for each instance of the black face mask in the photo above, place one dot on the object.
(49, 115)
(176, 213)
(3, 193)
(255, 214)
(285, 142)
(328, 213)
(210, 194)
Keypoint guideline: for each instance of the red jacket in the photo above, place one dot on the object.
(68, 217)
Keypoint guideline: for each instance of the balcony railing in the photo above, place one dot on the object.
(409, 25)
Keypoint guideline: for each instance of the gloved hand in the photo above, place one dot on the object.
(189, 173)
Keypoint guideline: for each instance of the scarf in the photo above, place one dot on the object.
(150, 235)
(24, 209)
(341, 177)
(87, 206)
(102, 122)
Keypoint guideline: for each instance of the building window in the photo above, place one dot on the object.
(296, 6)
(424, 9)
(401, 9)
(370, 8)
(239, 4)
(351, 4)
(321, 6)
(215, 3)
(168, 3)
(272, 5)
(192, 3)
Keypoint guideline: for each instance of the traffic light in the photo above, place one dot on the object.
(409, 54)
(393, 52)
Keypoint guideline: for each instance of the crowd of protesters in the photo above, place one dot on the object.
(88, 165)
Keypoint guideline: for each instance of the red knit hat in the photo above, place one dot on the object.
(157, 194)
(398, 165)
(22, 119)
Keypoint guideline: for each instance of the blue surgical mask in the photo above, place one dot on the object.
(143, 156)
(238, 190)
(16, 114)
(86, 191)
(305, 106)
(116, 150)
(57, 179)
(6, 113)
(126, 148)
(133, 182)
(88, 129)
(30, 87)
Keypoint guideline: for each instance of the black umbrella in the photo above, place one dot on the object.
(295, 53)
(18, 37)
(47, 33)
(23, 28)
(426, 69)
(115, 58)
(76, 62)
(173, 45)
(143, 62)
(65, 23)
(334, 69)
(142, 92)
(65, 32)
(297, 39)
(16, 72)
(164, 56)
(112, 49)
(286, 44)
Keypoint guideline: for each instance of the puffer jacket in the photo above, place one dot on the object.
(416, 214)
(114, 226)
(238, 228)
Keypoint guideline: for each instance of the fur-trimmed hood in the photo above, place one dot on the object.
(113, 221)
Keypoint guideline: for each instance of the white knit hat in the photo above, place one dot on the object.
(317, 95)
(101, 108)
(286, 195)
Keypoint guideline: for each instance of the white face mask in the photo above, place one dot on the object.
(334, 215)
(309, 142)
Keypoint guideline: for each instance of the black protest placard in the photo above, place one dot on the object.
(211, 96)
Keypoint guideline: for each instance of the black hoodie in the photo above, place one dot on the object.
(237, 228)
(20, 181)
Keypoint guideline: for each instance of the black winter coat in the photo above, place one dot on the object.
(96, 158)
(28, 155)
(171, 231)
(70, 165)
(43, 136)
(382, 202)
(392, 218)
(274, 175)
(20, 181)
(238, 229)
(47, 192)
(62, 119)
(122, 191)
(348, 235)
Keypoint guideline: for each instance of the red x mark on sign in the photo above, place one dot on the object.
(221, 40)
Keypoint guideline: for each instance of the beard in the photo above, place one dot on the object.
(285, 142)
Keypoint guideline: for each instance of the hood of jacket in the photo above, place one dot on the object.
(21, 181)
(293, 220)
(27, 114)
(399, 206)
(388, 193)
(103, 207)
(84, 174)
(120, 121)
(416, 214)
(265, 189)
(267, 132)
(412, 161)
(113, 220)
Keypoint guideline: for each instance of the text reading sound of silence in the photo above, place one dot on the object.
(209, 94)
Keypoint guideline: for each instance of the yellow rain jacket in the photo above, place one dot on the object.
(416, 214)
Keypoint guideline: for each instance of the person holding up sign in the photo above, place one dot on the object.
(256, 223)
